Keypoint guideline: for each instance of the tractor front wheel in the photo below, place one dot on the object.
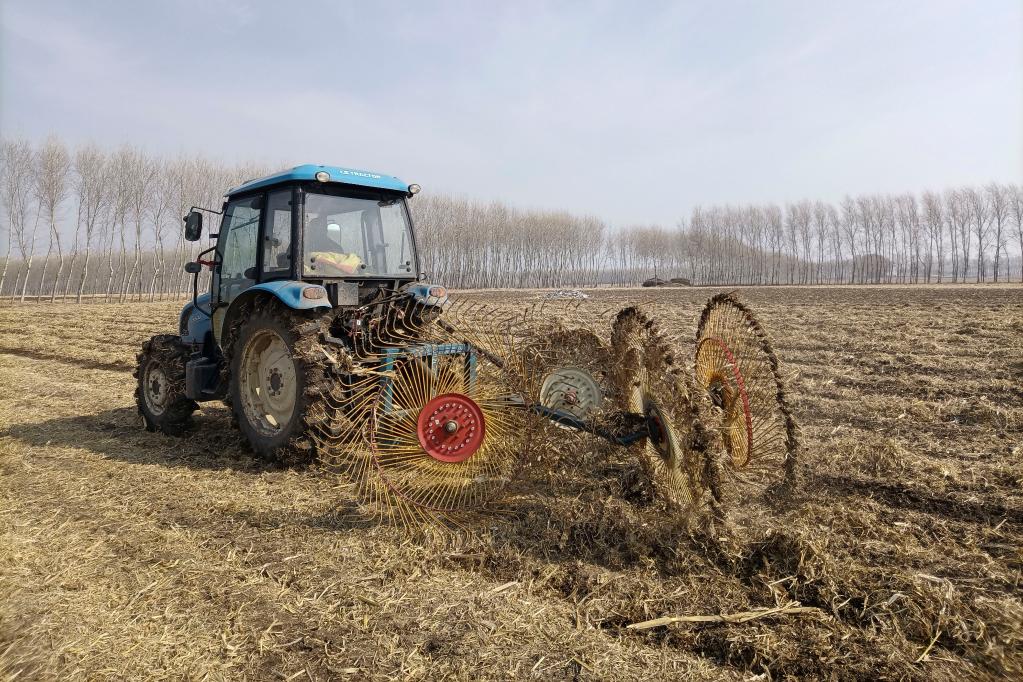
(276, 383)
(160, 391)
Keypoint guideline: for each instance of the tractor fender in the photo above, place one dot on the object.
(288, 292)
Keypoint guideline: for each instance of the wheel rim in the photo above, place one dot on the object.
(719, 370)
(156, 387)
(268, 382)
(451, 427)
(661, 436)
(672, 474)
(572, 390)
(662, 440)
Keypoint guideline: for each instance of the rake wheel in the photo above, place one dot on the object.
(443, 434)
(738, 369)
(649, 383)
(572, 366)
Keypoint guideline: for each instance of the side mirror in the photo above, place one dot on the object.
(193, 226)
(193, 268)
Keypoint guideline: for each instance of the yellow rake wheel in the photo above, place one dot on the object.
(446, 426)
(648, 383)
(738, 369)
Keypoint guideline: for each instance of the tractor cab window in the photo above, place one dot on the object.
(356, 237)
(277, 241)
(237, 247)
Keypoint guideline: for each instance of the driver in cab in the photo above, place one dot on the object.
(327, 256)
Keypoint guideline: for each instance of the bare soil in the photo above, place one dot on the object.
(127, 554)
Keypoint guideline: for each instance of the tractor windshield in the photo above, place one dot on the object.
(346, 236)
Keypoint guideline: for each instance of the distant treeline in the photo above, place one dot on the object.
(87, 222)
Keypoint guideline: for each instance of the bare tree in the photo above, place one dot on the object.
(160, 205)
(865, 220)
(128, 189)
(957, 219)
(1016, 211)
(851, 227)
(27, 238)
(52, 167)
(122, 162)
(884, 215)
(980, 220)
(908, 218)
(15, 192)
(143, 174)
(803, 219)
(776, 238)
(822, 230)
(933, 226)
(837, 267)
(92, 178)
(998, 202)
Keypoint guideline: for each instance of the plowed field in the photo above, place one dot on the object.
(127, 554)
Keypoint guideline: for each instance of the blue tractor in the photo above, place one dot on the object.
(305, 261)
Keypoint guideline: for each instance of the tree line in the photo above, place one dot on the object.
(89, 223)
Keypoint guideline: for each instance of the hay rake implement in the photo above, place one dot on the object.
(319, 334)
(449, 422)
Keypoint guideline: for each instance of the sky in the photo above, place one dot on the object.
(633, 112)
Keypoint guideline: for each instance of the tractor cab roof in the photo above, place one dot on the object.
(335, 174)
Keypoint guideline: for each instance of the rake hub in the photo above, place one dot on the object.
(451, 427)
(655, 429)
(573, 391)
(729, 399)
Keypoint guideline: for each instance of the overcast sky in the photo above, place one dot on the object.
(631, 111)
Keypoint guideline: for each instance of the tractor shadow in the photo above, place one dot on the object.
(210, 443)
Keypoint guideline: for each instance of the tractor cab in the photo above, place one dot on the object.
(313, 236)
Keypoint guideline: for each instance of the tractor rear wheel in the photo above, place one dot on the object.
(160, 391)
(278, 382)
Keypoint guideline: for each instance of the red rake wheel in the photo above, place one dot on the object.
(738, 369)
(438, 453)
(434, 421)
(449, 431)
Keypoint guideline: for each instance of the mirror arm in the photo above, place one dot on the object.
(195, 282)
